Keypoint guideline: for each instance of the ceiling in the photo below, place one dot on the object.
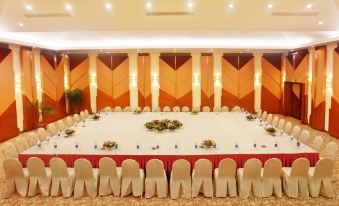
(169, 24)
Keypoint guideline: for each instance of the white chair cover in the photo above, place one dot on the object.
(77, 118)
(9, 151)
(259, 113)
(16, 178)
(39, 177)
(281, 124)
(180, 179)
(69, 121)
(86, 113)
(224, 178)
(166, 109)
(249, 177)
(269, 118)
(216, 109)
(117, 109)
(110, 177)
(319, 178)
(202, 178)
(236, 109)
(330, 151)
(264, 116)
(270, 175)
(85, 178)
(147, 109)
(107, 109)
(275, 121)
(185, 109)
(295, 178)
(62, 178)
(225, 109)
(32, 139)
(42, 133)
(127, 109)
(206, 109)
(317, 143)
(21, 144)
(156, 109)
(156, 179)
(176, 109)
(295, 131)
(305, 136)
(132, 178)
(61, 125)
(288, 128)
(82, 115)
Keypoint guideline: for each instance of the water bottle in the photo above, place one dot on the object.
(276, 144)
(38, 144)
(236, 146)
(138, 146)
(76, 145)
(291, 138)
(260, 123)
(196, 145)
(95, 145)
(157, 146)
(83, 123)
(298, 144)
(47, 140)
(175, 145)
(55, 145)
(255, 145)
(58, 133)
(76, 124)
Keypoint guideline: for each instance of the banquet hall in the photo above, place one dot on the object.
(169, 102)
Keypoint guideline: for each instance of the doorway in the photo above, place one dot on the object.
(294, 99)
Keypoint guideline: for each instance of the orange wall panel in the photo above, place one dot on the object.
(207, 81)
(144, 81)
(334, 111)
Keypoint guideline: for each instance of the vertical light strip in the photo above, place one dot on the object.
(155, 79)
(38, 78)
(217, 57)
(66, 80)
(329, 77)
(133, 80)
(283, 79)
(257, 81)
(196, 70)
(309, 83)
(17, 81)
(93, 81)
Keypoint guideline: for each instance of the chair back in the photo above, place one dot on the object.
(36, 167)
(9, 151)
(107, 167)
(216, 109)
(225, 109)
(61, 125)
(86, 113)
(203, 168)
(185, 109)
(295, 131)
(107, 109)
(275, 121)
(281, 124)
(304, 135)
(147, 109)
(236, 109)
(176, 109)
(252, 168)
(69, 121)
(154, 168)
(77, 118)
(300, 167)
(130, 168)
(117, 109)
(166, 109)
(272, 168)
(206, 109)
(288, 128)
(32, 139)
(42, 134)
(58, 167)
(269, 118)
(21, 144)
(181, 169)
(83, 169)
(82, 115)
(156, 109)
(324, 168)
(227, 168)
(264, 116)
(13, 168)
(318, 143)
(331, 150)
(259, 113)
(127, 109)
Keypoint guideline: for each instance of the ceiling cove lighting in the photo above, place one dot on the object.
(68, 7)
(108, 6)
(29, 7)
(190, 5)
(21, 24)
(270, 6)
(149, 5)
(231, 6)
(308, 6)
(320, 23)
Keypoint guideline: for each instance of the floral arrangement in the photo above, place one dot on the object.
(137, 111)
(164, 124)
(208, 143)
(250, 117)
(69, 132)
(109, 145)
(95, 117)
(271, 130)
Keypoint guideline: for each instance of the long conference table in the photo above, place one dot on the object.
(227, 129)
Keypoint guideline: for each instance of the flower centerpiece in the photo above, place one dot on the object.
(109, 145)
(164, 124)
(195, 111)
(95, 117)
(250, 117)
(271, 130)
(69, 132)
(137, 110)
(208, 143)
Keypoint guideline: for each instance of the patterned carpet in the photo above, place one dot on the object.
(129, 201)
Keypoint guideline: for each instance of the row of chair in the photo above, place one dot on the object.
(225, 180)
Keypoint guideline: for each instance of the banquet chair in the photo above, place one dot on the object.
(42, 134)
(295, 178)
(166, 109)
(317, 143)
(82, 115)
(225, 109)
(319, 178)
(185, 109)
(146, 109)
(269, 118)
(62, 178)
(39, 177)
(181, 179)
(86, 113)
(137, 108)
(127, 109)
(69, 122)
(9, 151)
(176, 109)
(305, 136)
(281, 124)
(61, 125)
(77, 118)
(132, 178)
(117, 109)
(216, 109)
(110, 177)
(295, 131)
(32, 139)
(330, 151)
(224, 178)
(275, 121)
(156, 179)
(259, 113)
(249, 177)
(236, 109)
(288, 128)
(51, 129)
(16, 178)
(107, 109)
(156, 109)
(264, 116)
(206, 109)
(21, 144)
(270, 178)
(85, 178)
(202, 178)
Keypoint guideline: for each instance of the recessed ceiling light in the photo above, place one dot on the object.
(21, 24)
(320, 22)
(270, 6)
(309, 6)
(29, 7)
(231, 6)
(190, 5)
(149, 5)
(68, 7)
(108, 6)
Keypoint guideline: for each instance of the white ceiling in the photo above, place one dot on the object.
(89, 25)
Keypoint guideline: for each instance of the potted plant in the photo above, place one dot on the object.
(41, 110)
(75, 98)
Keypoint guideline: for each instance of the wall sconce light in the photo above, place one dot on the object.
(155, 82)
(66, 81)
(17, 83)
(196, 79)
(217, 81)
(133, 80)
(93, 79)
(329, 82)
(257, 79)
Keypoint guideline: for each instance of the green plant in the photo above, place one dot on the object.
(75, 97)
(42, 108)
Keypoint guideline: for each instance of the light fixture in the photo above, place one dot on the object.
(68, 7)
(320, 22)
(190, 5)
(309, 6)
(21, 24)
(29, 7)
(231, 6)
(270, 6)
(108, 6)
(149, 5)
